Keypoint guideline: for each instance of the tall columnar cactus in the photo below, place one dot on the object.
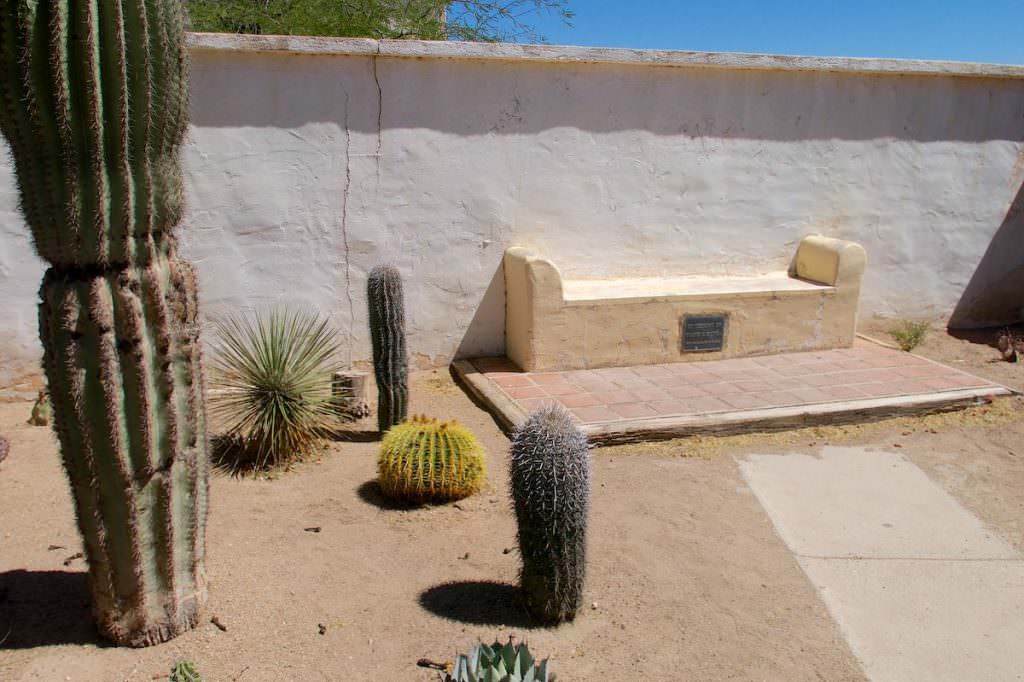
(387, 333)
(424, 460)
(93, 100)
(550, 480)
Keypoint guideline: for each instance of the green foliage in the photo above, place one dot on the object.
(41, 410)
(386, 303)
(549, 472)
(185, 671)
(909, 334)
(475, 20)
(93, 103)
(271, 384)
(498, 663)
(424, 460)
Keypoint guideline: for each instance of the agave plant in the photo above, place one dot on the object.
(271, 384)
(498, 663)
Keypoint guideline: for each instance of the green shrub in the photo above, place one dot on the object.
(185, 671)
(271, 384)
(909, 335)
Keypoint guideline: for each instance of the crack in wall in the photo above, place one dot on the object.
(380, 110)
(344, 230)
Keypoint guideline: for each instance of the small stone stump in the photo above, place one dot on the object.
(348, 390)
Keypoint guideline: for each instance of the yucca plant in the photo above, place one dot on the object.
(271, 384)
(498, 663)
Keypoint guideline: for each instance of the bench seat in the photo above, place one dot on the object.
(632, 289)
(552, 323)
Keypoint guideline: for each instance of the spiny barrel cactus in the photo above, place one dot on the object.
(498, 663)
(550, 480)
(425, 460)
(93, 101)
(387, 333)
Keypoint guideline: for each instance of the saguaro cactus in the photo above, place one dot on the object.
(387, 333)
(550, 480)
(93, 100)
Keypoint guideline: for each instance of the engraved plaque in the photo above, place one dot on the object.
(703, 333)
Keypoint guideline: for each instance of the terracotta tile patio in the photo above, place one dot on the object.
(622, 394)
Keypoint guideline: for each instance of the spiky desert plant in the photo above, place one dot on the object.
(387, 334)
(498, 663)
(271, 386)
(93, 102)
(426, 460)
(550, 480)
(5, 448)
(185, 671)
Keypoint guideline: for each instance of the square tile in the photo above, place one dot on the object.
(545, 378)
(510, 380)
(517, 392)
(580, 400)
(686, 392)
(616, 397)
(633, 410)
(598, 413)
(745, 401)
(562, 389)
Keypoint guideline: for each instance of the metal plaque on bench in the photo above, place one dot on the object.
(703, 333)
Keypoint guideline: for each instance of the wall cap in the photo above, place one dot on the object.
(558, 54)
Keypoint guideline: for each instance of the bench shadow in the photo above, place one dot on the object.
(478, 602)
(45, 608)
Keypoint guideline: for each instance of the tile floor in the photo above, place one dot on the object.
(867, 370)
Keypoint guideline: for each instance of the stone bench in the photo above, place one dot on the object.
(556, 324)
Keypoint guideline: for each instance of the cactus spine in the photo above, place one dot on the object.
(387, 332)
(550, 481)
(93, 101)
(424, 460)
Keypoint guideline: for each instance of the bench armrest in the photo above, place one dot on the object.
(834, 262)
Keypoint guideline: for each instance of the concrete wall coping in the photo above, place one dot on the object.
(557, 54)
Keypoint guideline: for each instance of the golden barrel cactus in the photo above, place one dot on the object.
(426, 460)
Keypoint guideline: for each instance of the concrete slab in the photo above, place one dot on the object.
(919, 587)
(927, 620)
(851, 502)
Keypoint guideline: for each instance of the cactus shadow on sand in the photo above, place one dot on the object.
(44, 608)
(370, 493)
(478, 602)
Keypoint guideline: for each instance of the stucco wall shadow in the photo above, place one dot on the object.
(466, 97)
(485, 334)
(995, 294)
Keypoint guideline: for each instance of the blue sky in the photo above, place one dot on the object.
(979, 31)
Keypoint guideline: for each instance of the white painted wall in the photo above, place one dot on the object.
(303, 174)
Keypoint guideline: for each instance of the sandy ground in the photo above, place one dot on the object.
(687, 579)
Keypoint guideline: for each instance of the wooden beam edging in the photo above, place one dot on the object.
(785, 418)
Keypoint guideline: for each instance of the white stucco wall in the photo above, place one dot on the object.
(310, 161)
